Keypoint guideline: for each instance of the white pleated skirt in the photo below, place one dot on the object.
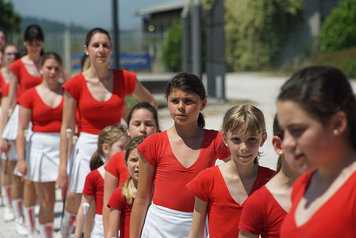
(162, 222)
(10, 130)
(98, 227)
(43, 157)
(78, 167)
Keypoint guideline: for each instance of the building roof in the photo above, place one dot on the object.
(174, 5)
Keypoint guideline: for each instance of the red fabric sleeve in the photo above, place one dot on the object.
(117, 201)
(73, 85)
(148, 147)
(89, 186)
(222, 150)
(26, 99)
(128, 80)
(117, 167)
(201, 185)
(15, 67)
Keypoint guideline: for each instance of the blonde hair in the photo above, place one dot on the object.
(126, 188)
(109, 135)
(246, 117)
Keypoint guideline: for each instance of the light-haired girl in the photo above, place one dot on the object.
(111, 140)
(220, 191)
(122, 198)
(171, 159)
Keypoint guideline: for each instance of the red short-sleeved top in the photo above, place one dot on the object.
(2, 84)
(209, 186)
(118, 202)
(117, 167)
(171, 176)
(262, 217)
(335, 218)
(5, 90)
(94, 186)
(25, 79)
(44, 118)
(95, 115)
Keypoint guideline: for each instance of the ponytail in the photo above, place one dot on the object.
(96, 160)
(127, 191)
(201, 120)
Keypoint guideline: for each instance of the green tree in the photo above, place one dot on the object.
(339, 29)
(9, 19)
(172, 47)
(256, 30)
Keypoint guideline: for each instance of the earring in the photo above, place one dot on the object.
(335, 131)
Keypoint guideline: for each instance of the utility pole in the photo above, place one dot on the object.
(116, 34)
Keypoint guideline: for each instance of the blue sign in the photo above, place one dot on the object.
(133, 61)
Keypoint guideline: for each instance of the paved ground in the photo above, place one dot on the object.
(259, 89)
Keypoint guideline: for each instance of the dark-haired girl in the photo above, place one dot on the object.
(171, 159)
(98, 94)
(317, 110)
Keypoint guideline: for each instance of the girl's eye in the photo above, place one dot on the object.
(235, 140)
(296, 132)
(175, 101)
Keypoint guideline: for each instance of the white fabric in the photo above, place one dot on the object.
(10, 130)
(166, 223)
(11, 154)
(98, 227)
(43, 157)
(79, 161)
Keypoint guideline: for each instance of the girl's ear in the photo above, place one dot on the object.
(277, 145)
(85, 50)
(224, 138)
(203, 104)
(339, 123)
(264, 138)
(106, 149)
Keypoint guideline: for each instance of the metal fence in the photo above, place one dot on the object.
(70, 44)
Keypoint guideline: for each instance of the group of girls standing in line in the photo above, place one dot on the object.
(147, 183)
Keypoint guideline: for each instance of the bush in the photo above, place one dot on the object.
(339, 29)
(257, 30)
(172, 48)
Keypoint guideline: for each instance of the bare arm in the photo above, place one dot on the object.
(244, 234)
(80, 215)
(143, 94)
(13, 90)
(142, 199)
(68, 121)
(199, 217)
(110, 184)
(114, 221)
(24, 120)
(4, 145)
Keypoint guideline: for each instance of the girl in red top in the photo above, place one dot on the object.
(170, 159)
(42, 105)
(141, 121)
(265, 218)
(317, 110)
(98, 94)
(220, 191)
(111, 140)
(122, 198)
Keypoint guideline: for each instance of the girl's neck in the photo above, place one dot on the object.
(244, 171)
(35, 58)
(101, 73)
(284, 180)
(187, 131)
(54, 87)
(135, 182)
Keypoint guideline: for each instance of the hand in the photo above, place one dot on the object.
(62, 182)
(4, 146)
(22, 167)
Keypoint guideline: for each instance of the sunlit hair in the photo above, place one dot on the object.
(126, 187)
(188, 83)
(94, 31)
(109, 135)
(322, 91)
(147, 106)
(51, 55)
(246, 118)
(33, 32)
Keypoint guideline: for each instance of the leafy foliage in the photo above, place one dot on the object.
(9, 19)
(257, 29)
(172, 47)
(339, 29)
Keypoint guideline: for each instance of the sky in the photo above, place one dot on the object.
(87, 13)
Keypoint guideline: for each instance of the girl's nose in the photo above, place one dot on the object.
(288, 141)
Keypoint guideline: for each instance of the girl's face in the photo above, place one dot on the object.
(132, 164)
(99, 49)
(142, 123)
(307, 140)
(34, 47)
(119, 145)
(10, 54)
(244, 146)
(184, 107)
(51, 70)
